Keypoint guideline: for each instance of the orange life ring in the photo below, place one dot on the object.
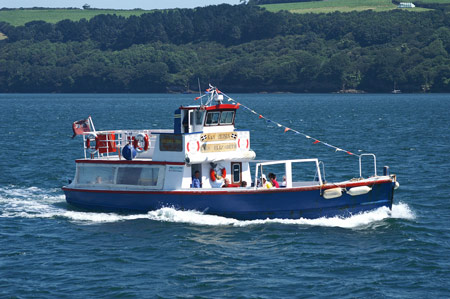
(213, 175)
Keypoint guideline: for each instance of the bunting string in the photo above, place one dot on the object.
(286, 129)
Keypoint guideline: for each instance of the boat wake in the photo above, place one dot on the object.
(34, 202)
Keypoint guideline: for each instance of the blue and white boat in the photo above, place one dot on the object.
(144, 170)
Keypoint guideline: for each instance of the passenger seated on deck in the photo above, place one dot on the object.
(244, 184)
(196, 180)
(226, 183)
(273, 180)
(265, 183)
(283, 183)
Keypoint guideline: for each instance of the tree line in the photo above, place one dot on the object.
(240, 48)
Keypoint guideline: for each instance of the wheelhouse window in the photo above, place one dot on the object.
(199, 117)
(215, 118)
(227, 118)
(212, 118)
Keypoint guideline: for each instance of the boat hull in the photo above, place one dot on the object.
(244, 205)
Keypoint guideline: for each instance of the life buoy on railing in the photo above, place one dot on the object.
(92, 150)
(141, 138)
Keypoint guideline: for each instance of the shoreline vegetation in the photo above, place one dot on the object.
(241, 48)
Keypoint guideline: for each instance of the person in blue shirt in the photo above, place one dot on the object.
(196, 180)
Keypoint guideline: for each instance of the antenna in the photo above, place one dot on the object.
(200, 92)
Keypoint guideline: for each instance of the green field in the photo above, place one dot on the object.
(19, 17)
(432, 1)
(337, 5)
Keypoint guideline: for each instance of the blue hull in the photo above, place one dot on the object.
(256, 204)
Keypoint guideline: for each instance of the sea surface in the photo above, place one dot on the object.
(49, 249)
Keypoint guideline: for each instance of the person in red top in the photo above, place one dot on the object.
(273, 180)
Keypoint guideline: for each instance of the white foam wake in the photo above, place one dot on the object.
(34, 202)
(399, 211)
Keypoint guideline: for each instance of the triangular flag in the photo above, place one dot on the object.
(196, 98)
(260, 116)
(279, 125)
(287, 129)
(315, 142)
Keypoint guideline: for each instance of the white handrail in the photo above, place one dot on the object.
(288, 167)
(121, 138)
(374, 164)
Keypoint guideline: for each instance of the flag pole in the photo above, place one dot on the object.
(92, 123)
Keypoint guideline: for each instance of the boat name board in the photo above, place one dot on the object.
(223, 136)
(218, 147)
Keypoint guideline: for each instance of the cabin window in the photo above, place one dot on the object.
(227, 118)
(170, 143)
(128, 176)
(95, 175)
(143, 176)
(212, 118)
(199, 117)
(236, 172)
(149, 176)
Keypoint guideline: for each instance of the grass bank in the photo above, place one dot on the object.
(19, 17)
(336, 5)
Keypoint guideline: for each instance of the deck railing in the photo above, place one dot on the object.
(109, 144)
(374, 164)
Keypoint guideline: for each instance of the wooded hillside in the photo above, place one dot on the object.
(239, 48)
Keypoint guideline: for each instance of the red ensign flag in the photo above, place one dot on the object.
(80, 126)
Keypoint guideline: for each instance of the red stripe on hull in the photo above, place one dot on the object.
(251, 191)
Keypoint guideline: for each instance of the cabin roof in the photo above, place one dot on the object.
(214, 107)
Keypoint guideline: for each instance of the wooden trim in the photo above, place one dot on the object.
(240, 173)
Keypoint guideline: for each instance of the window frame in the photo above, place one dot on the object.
(232, 172)
(115, 168)
(220, 118)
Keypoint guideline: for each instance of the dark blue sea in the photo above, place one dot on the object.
(50, 249)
